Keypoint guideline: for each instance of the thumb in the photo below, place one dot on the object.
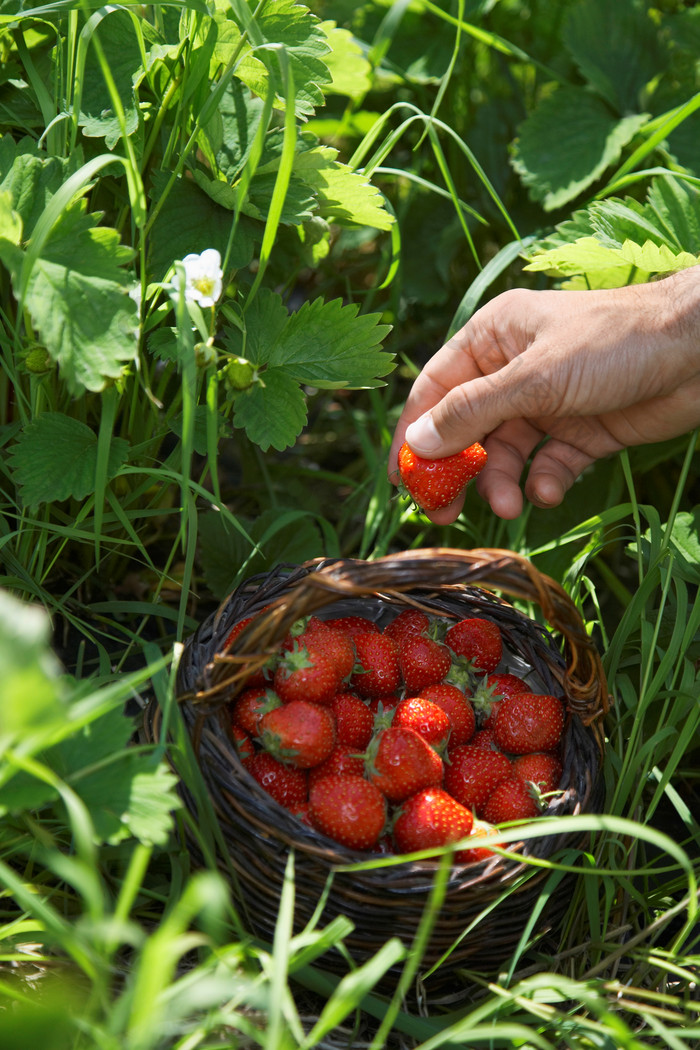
(474, 409)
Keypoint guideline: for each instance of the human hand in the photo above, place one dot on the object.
(592, 371)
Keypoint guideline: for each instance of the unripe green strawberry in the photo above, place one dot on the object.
(435, 483)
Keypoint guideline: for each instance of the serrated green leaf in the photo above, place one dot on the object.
(55, 457)
(189, 221)
(286, 23)
(344, 196)
(272, 413)
(324, 344)
(568, 142)
(31, 177)
(78, 301)
(120, 46)
(674, 206)
(585, 255)
(133, 796)
(329, 345)
(615, 221)
(351, 73)
(656, 258)
(616, 47)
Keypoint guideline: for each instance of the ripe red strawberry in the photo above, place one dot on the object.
(491, 690)
(421, 714)
(485, 739)
(435, 483)
(477, 852)
(286, 784)
(458, 708)
(529, 722)
(258, 677)
(353, 625)
(349, 810)
(332, 641)
(250, 706)
(512, 799)
(242, 743)
(353, 719)
(472, 774)
(307, 673)
(408, 622)
(423, 661)
(430, 818)
(477, 639)
(342, 760)
(378, 671)
(400, 762)
(300, 733)
(383, 706)
(541, 768)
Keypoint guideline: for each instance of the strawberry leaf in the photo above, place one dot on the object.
(272, 412)
(557, 168)
(55, 457)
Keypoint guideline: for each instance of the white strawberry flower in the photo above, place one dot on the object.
(203, 277)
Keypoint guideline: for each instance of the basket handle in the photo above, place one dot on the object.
(324, 581)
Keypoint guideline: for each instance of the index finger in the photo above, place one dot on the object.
(452, 365)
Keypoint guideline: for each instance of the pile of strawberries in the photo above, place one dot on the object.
(401, 738)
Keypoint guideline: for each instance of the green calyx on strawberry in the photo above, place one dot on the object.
(436, 483)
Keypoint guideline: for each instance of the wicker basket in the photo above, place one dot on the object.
(389, 901)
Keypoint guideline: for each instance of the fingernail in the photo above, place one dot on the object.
(422, 435)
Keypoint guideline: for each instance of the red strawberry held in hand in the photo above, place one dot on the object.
(300, 733)
(400, 762)
(435, 483)
(529, 722)
(430, 818)
(348, 809)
